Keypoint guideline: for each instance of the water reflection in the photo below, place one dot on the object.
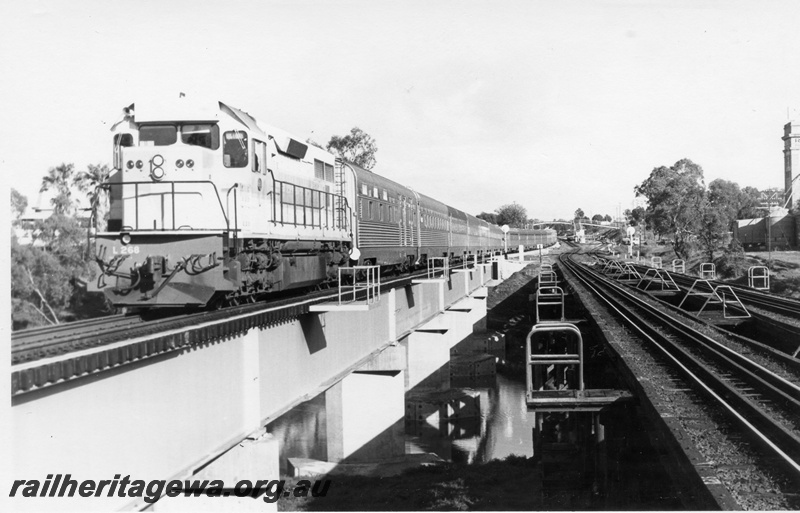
(503, 428)
(302, 432)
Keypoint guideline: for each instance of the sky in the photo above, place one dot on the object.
(555, 105)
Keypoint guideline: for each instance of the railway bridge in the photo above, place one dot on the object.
(194, 400)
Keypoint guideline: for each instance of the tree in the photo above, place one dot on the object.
(489, 218)
(675, 196)
(579, 214)
(19, 203)
(87, 182)
(312, 142)
(751, 204)
(357, 147)
(607, 218)
(636, 216)
(60, 179)
(513, 214)
(44, 273)
(597, 218)
(722, 202)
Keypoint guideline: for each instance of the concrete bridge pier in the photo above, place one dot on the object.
(428, 351)
(365, 415)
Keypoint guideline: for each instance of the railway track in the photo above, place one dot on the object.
(776, 319)
(760, 398)
(39, 343)
(750, 297)
(46, 356)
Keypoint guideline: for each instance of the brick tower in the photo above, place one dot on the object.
(791, 160)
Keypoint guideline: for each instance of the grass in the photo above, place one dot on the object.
(500, 485)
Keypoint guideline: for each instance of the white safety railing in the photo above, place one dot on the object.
(708, 271)
(438, 266)
(549, 296)
(360, 283)
(758, 277)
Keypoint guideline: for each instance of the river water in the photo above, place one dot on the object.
(503, 428)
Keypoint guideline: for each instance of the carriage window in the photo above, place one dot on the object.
(157, 135)
(364, 189)
(234, 149)
(369, 210)
(205, 136)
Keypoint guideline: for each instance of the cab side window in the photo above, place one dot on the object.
(234, 149)
(259, 157)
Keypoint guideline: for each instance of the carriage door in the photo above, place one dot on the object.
(261, 188)
(403, 220)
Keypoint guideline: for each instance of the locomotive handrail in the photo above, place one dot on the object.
(110, 185)
(329, 205)
(233, 188)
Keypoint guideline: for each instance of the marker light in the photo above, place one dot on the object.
(179, 163)
(139, 164)
(190, 163)
(130, 164)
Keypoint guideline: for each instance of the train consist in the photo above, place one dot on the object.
(207, 206)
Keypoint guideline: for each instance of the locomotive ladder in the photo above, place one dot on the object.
(338, 177)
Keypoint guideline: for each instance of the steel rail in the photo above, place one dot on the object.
(768, 302)
(39, 343)
(776, 304)
(775, 355)
(781, 441)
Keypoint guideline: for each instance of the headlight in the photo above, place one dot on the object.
(179, 163)
(158, 161)
(139, 164)
(190, 163)
(126, 238)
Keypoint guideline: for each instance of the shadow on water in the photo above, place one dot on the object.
(503, 427)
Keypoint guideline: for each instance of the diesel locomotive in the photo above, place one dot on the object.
(207, 205)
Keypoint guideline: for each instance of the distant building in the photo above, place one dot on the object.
(26, 226)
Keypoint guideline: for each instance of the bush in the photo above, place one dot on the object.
(787, 287)
(732, 264)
